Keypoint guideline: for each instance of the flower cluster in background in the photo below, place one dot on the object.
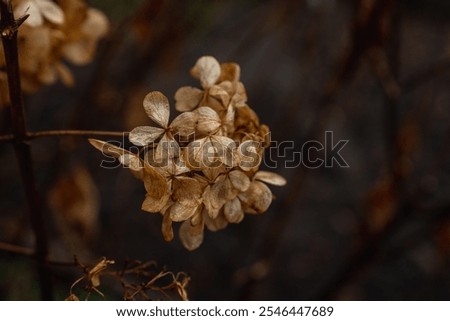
(54, 31)
(202, 168)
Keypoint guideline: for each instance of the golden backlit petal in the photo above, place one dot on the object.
(208, 121)
(155, 205)
(180, 212)
(230, 71)
(144, 135)
(207, 70)
(184, 124)
(232, 211)
(256, 199)
(240, 95)
(190, 237)
(187, 98)
(239, 180)
(270, 178)
(166, 227)
(156, 106)
(51, 11)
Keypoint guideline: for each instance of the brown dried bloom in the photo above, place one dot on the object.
(54, 31)
(201, 169)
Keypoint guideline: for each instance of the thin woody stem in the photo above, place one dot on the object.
(49, 133)
(25, 251)
(57, 133)
(8, 29)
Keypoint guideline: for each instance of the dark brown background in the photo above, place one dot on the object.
(376, 74)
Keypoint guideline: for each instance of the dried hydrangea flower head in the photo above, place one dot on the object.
(201, 169)
(54, 31)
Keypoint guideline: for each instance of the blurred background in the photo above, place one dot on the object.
(376, 73)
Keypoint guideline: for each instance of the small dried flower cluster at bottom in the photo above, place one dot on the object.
(202, 168)
(54, 31)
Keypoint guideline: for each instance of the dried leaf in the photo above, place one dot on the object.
(157, 108)
(94, 274)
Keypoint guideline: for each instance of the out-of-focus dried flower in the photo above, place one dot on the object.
(201, 169)
(54, 31)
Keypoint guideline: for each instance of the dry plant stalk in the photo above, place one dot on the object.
(54, 31)
(139, 281)
(201, 169)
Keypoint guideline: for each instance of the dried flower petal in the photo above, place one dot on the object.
(184, 124)
(233, 211)
(190, 236)
(51, 11)
(208, 121)
(144, 135)
(270, 178)
(181, 212)
(94, 274)
(153, 204)
(207, 70)
(256, 199)
(216, 224)
(166, 228)
(157, 108)
(187, 98)
(240, 181)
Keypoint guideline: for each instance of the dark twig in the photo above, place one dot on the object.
(8, 28)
